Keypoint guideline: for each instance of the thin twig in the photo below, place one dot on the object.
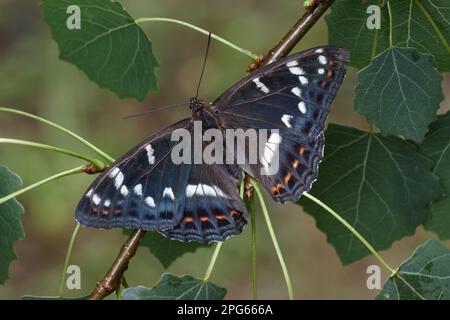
(295, 34)
(97, 163)
(67, 260)
(61, 128)
(287, 278)
(212, 262)
(42, 182)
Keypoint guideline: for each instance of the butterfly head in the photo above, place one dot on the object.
(196, 104)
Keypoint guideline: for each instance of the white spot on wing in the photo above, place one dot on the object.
(287, 120)
(114, 172)
(296, 70)
(168, 192)
(297, 91)
(204, 190)
(275, 138)
(138, 189)
(96, 199)
(303, 80)
(302, 107)
(271, 148)
(150, 152)
(319, 50)
(89, 193)
(150, 202)
(321, 71)
(322, 59)
(292, 63)
(107, 203)
(261, 86)
(191, 189)
(117, 175)
(124, 191)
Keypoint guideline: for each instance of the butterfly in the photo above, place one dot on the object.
(145, 190)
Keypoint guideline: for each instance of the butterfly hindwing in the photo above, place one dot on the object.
(298, 168)
(213, 210)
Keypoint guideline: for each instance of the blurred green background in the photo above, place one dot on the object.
(33, 79)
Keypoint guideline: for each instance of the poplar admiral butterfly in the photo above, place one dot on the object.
(145, 190)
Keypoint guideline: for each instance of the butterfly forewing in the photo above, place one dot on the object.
(293, 96)
(128, 194)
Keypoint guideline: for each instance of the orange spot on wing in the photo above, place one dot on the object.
(221, 217)
(301, 151)
(295, 165)
(324, 84)
(188, 219)
(329, 73)
(287, 177)
(330, 62)
(204, 219)
(234, 213)
(277, 188)
(105, 212)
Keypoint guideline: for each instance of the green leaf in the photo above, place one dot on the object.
(400, 92)
(427, 275)
(380, 185)
(172, 287)
(420, 24)
(167, 250)
(436, 147)
(347, 27)
(109, 47)
(11, 228)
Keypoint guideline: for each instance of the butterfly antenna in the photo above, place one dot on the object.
(204, 64)
(154, 110)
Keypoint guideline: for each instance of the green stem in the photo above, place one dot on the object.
(250, 208)
(66, 131)
(352, 230)
(242, 189)
(433, 25)
(214, 36)
(41, 182)
(375, 39)
(125, 282)
(212, 262)
(274, 240)
(66, 261)
(391, 40)
(97, 163)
